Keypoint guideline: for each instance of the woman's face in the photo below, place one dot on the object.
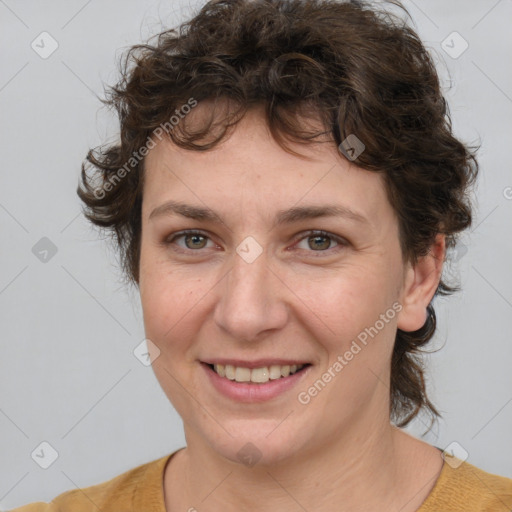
(262, 288)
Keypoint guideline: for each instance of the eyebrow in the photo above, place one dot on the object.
(294, 214)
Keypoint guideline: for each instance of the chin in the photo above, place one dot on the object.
(256, 442)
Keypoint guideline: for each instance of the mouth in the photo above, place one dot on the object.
(256, 381)
(258, 375)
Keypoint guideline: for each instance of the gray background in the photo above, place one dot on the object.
(68, 375)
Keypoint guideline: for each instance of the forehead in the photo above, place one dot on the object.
(249, 173)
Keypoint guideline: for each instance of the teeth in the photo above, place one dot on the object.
(275, 372)
(260, 375)
(242, 374)
(256, 375)
(230, 371)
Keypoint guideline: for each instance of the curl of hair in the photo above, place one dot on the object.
(356, 69)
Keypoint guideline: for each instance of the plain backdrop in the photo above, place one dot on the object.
(69, 328)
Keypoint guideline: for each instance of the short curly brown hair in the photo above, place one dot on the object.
(355, 68)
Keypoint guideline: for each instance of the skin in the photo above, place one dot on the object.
(294, 300)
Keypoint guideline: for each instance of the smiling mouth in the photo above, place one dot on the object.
(256, 375)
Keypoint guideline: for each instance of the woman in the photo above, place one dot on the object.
(284, 192)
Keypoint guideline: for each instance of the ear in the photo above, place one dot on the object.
(420, 284)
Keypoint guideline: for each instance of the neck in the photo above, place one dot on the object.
(344, 473)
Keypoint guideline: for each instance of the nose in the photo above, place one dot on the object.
(252, 300)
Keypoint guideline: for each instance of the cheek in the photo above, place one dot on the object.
(356, 341)
(347, 302)
(170, 301)
(173, 299)
(161, 295)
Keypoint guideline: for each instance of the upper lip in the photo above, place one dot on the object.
(258, 363)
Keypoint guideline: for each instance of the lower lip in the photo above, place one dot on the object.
(253, 392)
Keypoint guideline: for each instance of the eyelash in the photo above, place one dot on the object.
(309, 234)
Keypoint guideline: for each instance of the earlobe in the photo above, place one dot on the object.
(420, 284)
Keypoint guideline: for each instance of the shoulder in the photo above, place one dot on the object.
(118, 493)
(463, 486)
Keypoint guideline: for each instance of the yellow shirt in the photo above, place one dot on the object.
(465, 488)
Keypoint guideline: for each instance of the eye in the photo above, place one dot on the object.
(193, 240)
(316, 240)
(320, 241)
